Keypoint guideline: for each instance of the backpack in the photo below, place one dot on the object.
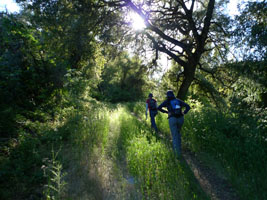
(152, 104)
(176, 109)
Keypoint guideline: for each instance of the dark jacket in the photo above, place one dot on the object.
(167, 104)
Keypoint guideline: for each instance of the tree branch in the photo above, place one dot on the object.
(190, 19)
(164, 50)
(154, 28)
(207, 20)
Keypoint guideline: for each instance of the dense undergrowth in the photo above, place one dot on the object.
(34, 164)
(235, 140)
(52, 160)
(48, 157)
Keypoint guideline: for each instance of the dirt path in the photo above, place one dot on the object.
(215, 186)
(116, 181)
(99, 174)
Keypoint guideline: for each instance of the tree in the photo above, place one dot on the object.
(123, 79)
(184, 30)
(69, 28)
(72, 33)
(250, 33)
(250, 40)
(28, 79)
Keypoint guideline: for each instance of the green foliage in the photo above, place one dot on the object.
(138, 108)
(153, 164)
(54, 58)
(56, 185)
(252, 29)
(249, 82)
(24, 158)
(45, 82)
(20, 171)
(28, 81)
(155, 168)
(171, 80)
(237, 140)
(35, 77)
(69, 28)
(123, 79)
(205, 86)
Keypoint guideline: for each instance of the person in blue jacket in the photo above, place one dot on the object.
(175, 117)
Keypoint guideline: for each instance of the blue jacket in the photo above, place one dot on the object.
(167, 104)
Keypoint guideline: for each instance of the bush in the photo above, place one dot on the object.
(21, 168)
(238, 142)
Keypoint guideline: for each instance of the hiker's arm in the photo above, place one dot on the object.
(146, 108)
(161, 106)
(187, 107)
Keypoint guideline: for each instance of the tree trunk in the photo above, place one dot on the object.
(189, 77)
(184, 88)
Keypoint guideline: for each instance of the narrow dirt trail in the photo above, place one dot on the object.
(99, 174)
(116, 180)
(216, 187)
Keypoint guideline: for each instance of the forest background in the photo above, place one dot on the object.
(66, 63)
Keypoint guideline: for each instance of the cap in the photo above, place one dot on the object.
(170, 94)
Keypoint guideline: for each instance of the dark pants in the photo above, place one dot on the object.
(152, 114)
(175, 126)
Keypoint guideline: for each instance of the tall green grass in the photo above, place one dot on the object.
(55, 187)
(236, 141)
(153, 164)
(240, 146)
(139, 109)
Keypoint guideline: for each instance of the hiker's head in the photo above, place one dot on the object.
(170, 94)
(150, 95)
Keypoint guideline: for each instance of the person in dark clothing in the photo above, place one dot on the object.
(151, 105)
(175, 117)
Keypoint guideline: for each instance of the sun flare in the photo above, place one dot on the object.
(136, 21)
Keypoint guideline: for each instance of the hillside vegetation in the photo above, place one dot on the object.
(74, 79)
